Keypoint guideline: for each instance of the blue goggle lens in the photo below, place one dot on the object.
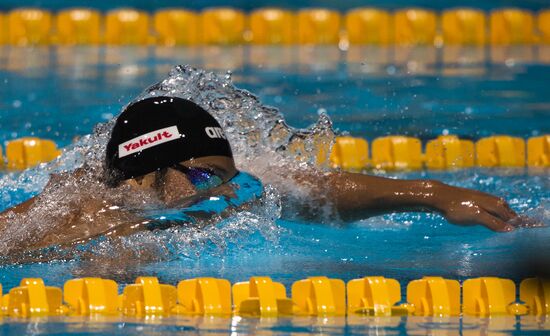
(201, 178)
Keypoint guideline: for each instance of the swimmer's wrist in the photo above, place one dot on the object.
(431, 193)
(439, 194)
(425, 194)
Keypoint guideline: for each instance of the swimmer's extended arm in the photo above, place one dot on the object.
(357, 196)
(54, 179)
(19, 208)
(87, 217)
(25, 206)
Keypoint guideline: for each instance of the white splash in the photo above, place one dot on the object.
(262, 143)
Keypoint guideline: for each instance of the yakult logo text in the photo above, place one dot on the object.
(214, 132)
(149, 140)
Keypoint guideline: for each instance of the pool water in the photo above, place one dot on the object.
(282, 326)
(367, 91)
(61, 93)
(291, 4)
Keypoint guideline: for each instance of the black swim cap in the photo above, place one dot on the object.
(159, 132)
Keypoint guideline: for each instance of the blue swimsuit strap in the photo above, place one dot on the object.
(246, 188)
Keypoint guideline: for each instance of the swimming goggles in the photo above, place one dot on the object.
(201, 178)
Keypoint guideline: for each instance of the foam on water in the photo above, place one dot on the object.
(262, 142)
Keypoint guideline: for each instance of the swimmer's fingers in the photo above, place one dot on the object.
(494, 204)
(499, 208)
(494, 223)
(511, 212)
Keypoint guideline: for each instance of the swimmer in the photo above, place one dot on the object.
(176, 152)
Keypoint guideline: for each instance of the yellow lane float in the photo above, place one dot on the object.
(536, 294)
(222, 26)
(396, 152)
(127, 26)
(512, 26)
(543, 25)
(176, 27)
(448, 152)
(368, 26)
(375, 296)
(500, 151)
(3, 29)
(78, 26)
(350, 153)
(538, 151)
(463, 26)
(29, 26)
(204, 296)
(228, 26)
(32, 298)
(434, 296)
(91, 296)
(147, 297)
(29, 151)
(489, 296)
(260, 296)
(272, 26)
(319, 296)
(318, 26)
(415, 26)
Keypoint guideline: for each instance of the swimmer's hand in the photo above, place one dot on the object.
(470, 207)
(358, 196)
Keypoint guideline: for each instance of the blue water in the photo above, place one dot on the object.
(281, 326)
(368, 92)
(250, 5)
(60, 93)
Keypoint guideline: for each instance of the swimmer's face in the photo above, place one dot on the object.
(174, 184)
